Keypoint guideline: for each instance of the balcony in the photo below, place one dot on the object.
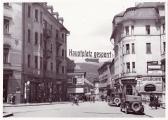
(47, 53)
(49, 74)
(33, 72)
(7, 66)
(61, 76)
(47, 32)
(7, 39)
(59, 41)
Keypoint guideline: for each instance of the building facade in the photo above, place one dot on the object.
(41, 49)
(105, 78)
(139, 41)
(78, 84)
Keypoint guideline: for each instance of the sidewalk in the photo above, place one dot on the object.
(32, 104)
(152, 112)
(8, 114)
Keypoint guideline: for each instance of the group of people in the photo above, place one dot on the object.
(75, 99)
(154, 101)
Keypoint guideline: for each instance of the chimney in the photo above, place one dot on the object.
(49, 7)
(61, 20)
(56, 14)
(44, 4)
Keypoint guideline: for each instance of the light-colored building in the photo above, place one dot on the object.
(138, 36)
(105, 78)
(78, 84)
(12, 51)
(34, 56)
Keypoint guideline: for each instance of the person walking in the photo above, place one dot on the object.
(156, 101)
(151, 100)
(75, 100)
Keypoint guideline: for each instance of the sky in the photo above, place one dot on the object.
(89, 23)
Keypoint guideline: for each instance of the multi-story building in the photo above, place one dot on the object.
(35, 55)
(139, 41)
(12, 50)
(105, 78)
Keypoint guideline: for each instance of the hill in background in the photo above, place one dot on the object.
(90, 69)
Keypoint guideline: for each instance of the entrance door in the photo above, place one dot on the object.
(5, 87)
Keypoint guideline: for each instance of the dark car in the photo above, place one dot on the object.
(132, 103)
(115, 100)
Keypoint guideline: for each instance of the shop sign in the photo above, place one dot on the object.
(152, 79)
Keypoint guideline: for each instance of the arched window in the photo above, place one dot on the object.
(150, 87)
(129, 90)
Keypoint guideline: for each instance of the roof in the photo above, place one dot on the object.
(146, 10)
(104, 64)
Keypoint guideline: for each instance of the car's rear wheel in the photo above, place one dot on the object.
(136, 106)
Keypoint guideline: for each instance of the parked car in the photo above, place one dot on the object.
(115, 100)
(131, 103)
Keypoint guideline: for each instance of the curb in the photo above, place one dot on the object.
(22, 105)
(7, 114)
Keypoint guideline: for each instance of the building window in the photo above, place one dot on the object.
(62, 52)
(62, 69)
(56, 34)
(65, 53)
(7, 4)
(57, 52)
(36, 38)
(127, 49)
(36, 62)
(51, 48)
(62, 35)
(133, 67)
(28, 35)
(148, 48)
(163, 28)
(127, 30)
(148, 29)
(36, 15)
(41, 63)
(28, 61)
(57, 68)
(51, 66)
(133, 48)
(41, 17)
(128, 67)
(132, 30)
(29, 11)
(74, 80)
(164, 47)
(41, 39)
(5, 55)
(6, 26)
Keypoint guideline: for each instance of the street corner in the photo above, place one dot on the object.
(7, 114)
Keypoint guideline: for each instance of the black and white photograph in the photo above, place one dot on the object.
(84, 59)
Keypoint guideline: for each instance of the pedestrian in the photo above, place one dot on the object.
(156, 101)
(151, 100)
(13, 99)
(75, 100)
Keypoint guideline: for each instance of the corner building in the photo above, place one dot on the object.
(42, 53)
(139, 41)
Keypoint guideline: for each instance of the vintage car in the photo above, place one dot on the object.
(132, 103)
(115, 100)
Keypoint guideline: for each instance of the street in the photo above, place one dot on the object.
(86, 109)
